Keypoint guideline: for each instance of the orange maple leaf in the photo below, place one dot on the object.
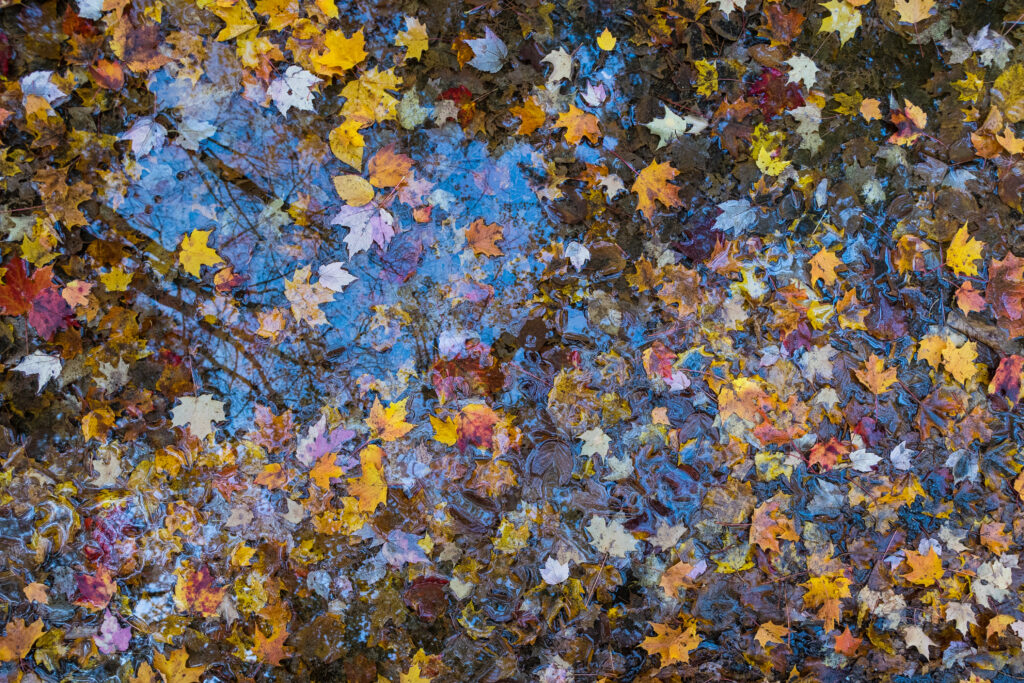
(874, 375)
(673, 644)
(531, 116)
(19, 639)
(825, 592)
(325, 469)
(652, 183)
(770, 632)
(388, 168)
(271, 650)
(342, 53)
(481, 237)
(578, 124)
(388, 423)
(768, 525)
(847, 643)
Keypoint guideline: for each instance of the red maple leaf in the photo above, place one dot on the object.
(18, 290)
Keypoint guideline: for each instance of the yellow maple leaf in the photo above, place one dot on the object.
(769, 164)
(117, 280)
(195, 252)
(673, 644)
(175, 668)
(843, 18)
(875, 377)
(959, 362)
(531, 115)
(925, 569)
(347, 143)
(578, 124)
(963, 251)
(825, 592)
(930, 349)
(913, 11)
(238, 17)
(369, 488)
(306, 298)
(388, 423)
(325, 469)
(367, 99)
(341, 54)
(652, 184)
(413, 38)
(445, 431)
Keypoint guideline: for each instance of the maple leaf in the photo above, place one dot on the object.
(826, 592)
(305, 297)
(846, 643)
(959, 362)
(561, 66)
(413, 38)
(324, 470)
(606, 41)
(292, 89)
(198, 413)
(595, 442)
(369, 488)
(768, 525)
(388, 168)
(917, 638)
(388, 423)
(481, 237)
(112, 638)
(823, 265)
(554, 572)
(674, 645)
(175, 668)
(610, 537)
(802, 69)
(341, 53)
(489, 52)
(843, 18)
(926, 569)
(476, 425)
(578, 124)
(963, 251)
(195, 253)
(875, 377)
(652, 183)
(531, 116)
(770, 632)
(18, 291)
(194, 591)
(95, 591)
(913, 11)
(271, 650)
(19, 638)
(367, 225)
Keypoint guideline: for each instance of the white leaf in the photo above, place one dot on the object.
(366, 224)
(577, 254)
(38, 83)
(611, 538)
(594, 95)
(671, 126)
(292, 89)
(901, 455)
(146, 135)
(595, 442)
(561, 66)
(916, 638)
(803, 69)
(488, 52)
(863, 460)
(962, 613)
(43, 366)
(334, 277)
(737, 215)
(554, 572)
(90, 9)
